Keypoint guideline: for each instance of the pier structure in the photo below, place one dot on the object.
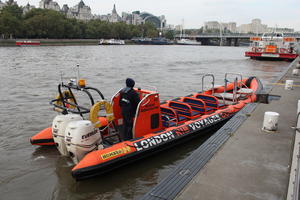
(241, 161)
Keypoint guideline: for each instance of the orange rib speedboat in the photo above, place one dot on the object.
(95, 143)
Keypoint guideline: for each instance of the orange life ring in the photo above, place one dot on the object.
(282, 50)
(259, 49)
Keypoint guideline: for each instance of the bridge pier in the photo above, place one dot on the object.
(236, 42)
(228, 42)
(205, 41)
(231, 42)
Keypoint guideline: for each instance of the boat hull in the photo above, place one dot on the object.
(43, 138)
(153, 41)
(97, 170)
(28, 43)
(271, 56)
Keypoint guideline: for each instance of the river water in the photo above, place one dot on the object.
(29, 78)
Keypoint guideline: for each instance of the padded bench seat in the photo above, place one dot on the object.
(245, 91)
(169, 116)
(228, 96)
(167, 122)
(183, 110)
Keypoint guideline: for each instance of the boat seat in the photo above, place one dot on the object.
(226, 102)
(184, 110)
(167, 122)
(228, 96)
(169, 116)
(211, 102)
(197, 105)
(182, 118)
(195, 112)
(245, 92)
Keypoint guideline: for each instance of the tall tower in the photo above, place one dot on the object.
(114, 11)
(114, 15)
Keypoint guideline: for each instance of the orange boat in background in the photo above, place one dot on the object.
(273, 46)
(28, 43)
(94, 141)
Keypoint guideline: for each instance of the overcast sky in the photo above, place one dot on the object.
(280, 13)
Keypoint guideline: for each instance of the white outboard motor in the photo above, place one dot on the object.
(81, 138)
(59, 125)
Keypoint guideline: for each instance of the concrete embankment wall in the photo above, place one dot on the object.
(56, 42)
(52, 42)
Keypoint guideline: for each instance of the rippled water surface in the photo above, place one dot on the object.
(29, 78)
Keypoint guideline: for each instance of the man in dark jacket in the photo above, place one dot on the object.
(129, 100)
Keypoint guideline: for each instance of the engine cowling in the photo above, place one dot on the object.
(81, 138)
(59, 125)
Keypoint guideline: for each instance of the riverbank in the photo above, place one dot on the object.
(56, 42)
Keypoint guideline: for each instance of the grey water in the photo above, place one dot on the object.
(28, 81)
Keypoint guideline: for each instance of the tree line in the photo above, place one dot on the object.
(44, 23)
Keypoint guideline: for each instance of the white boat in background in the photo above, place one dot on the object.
(111, 42)
(184, 41)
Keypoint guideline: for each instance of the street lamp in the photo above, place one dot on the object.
(220, 27)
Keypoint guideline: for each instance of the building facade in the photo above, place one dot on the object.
(27, 8)
(220, 26)
(83, 12)
(49, 4)
(114, 17)
(135, 18)
(230, 27)
(9, 2)
(211, 25)
(257, 27)
(254, 27)
(80, 11)
(2, 5)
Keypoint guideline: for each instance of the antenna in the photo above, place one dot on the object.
(61, 76)
(78, 74)
(182, 28)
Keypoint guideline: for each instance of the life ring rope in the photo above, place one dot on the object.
(95, 110)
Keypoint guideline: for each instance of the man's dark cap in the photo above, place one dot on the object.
(130, 82)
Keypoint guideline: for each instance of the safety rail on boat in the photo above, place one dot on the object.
(213, 82)
(235, 86)
(235, 74)
(64, 100)
(147, 87)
